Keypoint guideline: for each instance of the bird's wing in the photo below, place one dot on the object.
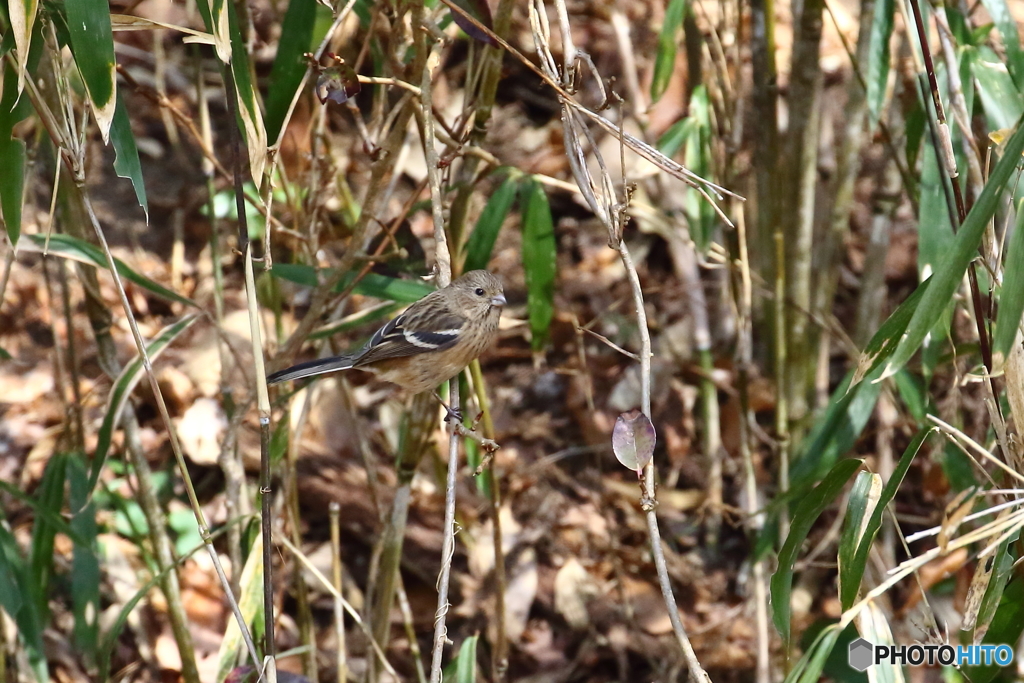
(418, 330)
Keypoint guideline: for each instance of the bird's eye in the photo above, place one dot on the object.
(479, 291)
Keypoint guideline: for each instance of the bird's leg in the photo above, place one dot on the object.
(450, 413)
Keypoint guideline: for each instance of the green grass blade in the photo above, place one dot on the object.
(539, 260)
(806, 514)
(122, 388)
(14, 572)
(84, 252)
(12, 186)
(371, 284)
(50, 497)
(950, 272)
(126, 154)
(92, 44)
(1011, 298)
(854, 570)
(481, 242)
(665, 59)
(297, 38)
(85, 574)
(811, 664)
(877, 76)
(862, 502)
(248, 101)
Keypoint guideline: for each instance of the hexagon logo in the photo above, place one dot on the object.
(861, 654)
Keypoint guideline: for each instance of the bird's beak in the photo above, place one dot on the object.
(498, 301)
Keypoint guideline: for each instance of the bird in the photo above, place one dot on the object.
(427, 344)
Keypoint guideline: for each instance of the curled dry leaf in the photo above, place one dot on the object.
(633, 440)
(337, 82)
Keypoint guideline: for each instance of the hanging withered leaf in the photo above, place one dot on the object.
(633, 440)
(479, 10)
(337, 82)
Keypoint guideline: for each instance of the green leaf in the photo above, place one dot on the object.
(481, 242)
(999, 95)
(877, 76)
(465, 663)
(1007, 26)
(76, 249)
(700, 213)
(12, 186)
(852, 572)
(126, 154)
(950, 272)
(862, 501)
(122, 388)
(50, 497)
(806, 514)
(301, 32)
(1011, 298)
(371, 284)
(665, 59)
(672, 140)
(539, 262)
(85, 574)
(23, 611)
(92, 44)
(810, 666)
(248, 101)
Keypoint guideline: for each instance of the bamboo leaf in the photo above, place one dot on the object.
(79, 250)
(877, 77)
(126, 154)
(1011, 298)
(122, 388)
(85, 575)
(250, 602)
(806, 514)
(12, 186)
(1007, 625)
(299, 35)
(1002, 101)
(50, 497)
(852, 572)
(951, 269)
(1007, 27)
(92, 43)
(481, 242)
(371, 284)
(665, 59)
(248, 102)
(22, 15)
(465, 663)
(538, 260)
(14, 572)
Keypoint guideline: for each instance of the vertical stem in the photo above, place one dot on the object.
(781, 399)
(341, 663)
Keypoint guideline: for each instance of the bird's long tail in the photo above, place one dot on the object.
(310, 368)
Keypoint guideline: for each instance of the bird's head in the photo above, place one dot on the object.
(478, 294)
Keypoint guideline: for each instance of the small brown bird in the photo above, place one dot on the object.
(431, 342)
